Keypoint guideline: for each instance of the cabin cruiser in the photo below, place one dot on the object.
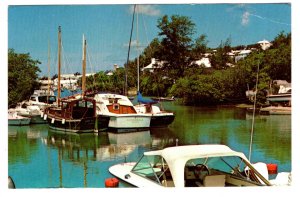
(196, 166)
(120, 111)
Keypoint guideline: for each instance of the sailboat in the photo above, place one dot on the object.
(75, 113)
(159, 117)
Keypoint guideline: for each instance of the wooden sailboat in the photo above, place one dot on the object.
(73, 114)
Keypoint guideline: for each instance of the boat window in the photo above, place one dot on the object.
(51, 99)
(33, 98)
(155, 168)
(197, 169)
(116, 106)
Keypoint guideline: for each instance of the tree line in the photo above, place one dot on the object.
(179, 76)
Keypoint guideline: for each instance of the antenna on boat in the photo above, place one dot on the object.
(48, 63)
(83, 65)
(253, 115)
(137, 47)
(125, 88)
(59, 65)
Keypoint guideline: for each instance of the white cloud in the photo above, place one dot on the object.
(245, 18)
(150, 10)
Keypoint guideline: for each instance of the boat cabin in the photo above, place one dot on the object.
(198, 166)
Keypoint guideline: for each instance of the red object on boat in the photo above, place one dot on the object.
(272, 168)
(111, 182)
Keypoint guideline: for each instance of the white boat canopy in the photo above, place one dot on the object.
(176, 157)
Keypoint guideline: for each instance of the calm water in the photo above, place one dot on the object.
(42, 158)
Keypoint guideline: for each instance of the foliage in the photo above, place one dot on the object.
(176, 43)
(105, 83)
(208, 89)
(22, 76)
(220, 59)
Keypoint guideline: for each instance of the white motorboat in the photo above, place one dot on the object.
(121, 113)
(31, 111)
(196, 166)
(16, 120)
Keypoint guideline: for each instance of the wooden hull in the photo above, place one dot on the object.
(74, 125)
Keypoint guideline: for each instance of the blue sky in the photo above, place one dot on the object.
(107, 29)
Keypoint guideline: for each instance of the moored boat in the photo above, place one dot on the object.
(16, 120)
(196, 166)
(73, 115)
(120, 111)
(159, 118)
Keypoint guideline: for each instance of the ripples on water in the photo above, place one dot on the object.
(42, 158)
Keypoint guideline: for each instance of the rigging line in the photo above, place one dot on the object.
(146, 30)
(253, 115)
(125, 89)
(91, 65)
(66, 61)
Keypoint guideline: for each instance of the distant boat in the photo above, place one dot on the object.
(161, 99)
(41, 99)
(16, 120)
(159, 118)
(31, 111)
(276, 110)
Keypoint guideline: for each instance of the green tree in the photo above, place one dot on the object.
(220, 59)
(176, 44)
(200, 47)
(278, 57)
(22, 76)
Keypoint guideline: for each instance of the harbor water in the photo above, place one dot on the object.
(39, 157)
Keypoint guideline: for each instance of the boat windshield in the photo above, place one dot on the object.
(219, 171)
(154, 168)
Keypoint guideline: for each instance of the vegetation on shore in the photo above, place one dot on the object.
(225, 81)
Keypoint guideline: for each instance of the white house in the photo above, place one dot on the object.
(204, 61)
(264, 44)
(242, 54)
(154, 64)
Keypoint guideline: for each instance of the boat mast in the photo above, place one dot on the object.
(127, 64)
(137, 46)
(83, 65)
(59, 65)
(48, 93)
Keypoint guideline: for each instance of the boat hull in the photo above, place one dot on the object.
(123, 172)
(161, 120)
(37, 119)
(74, 125)
(19, 122)
(129, 121)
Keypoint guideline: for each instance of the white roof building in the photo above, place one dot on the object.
(264, 44)
(204, 61)
(154, 64)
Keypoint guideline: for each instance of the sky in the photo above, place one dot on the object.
(32, 28)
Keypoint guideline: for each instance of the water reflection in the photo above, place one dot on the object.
(42, 158)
